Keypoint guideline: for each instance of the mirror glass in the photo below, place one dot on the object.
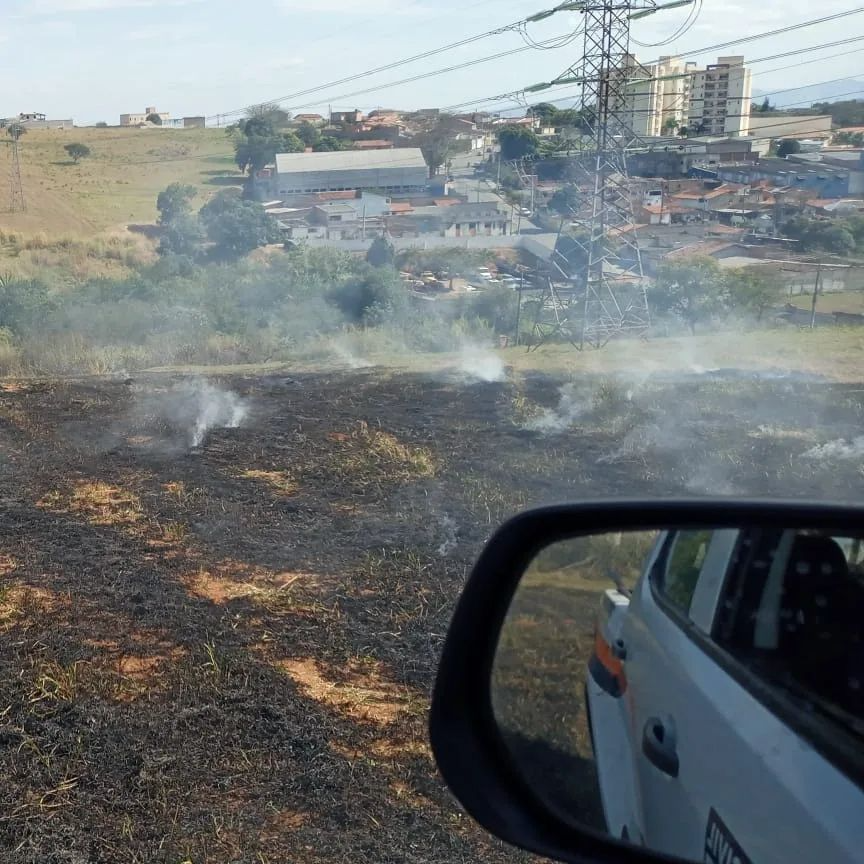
(686, 690)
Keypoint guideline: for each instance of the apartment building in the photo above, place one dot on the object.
(720, 98)
(658, 104)
(663, 97)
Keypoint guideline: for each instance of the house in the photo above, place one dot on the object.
(394, 172)
(194, 122)
(483, 219)
(822, 180)
(313, 119)
(35, 120)
(706, 198)
(340, 118)
(141, 119)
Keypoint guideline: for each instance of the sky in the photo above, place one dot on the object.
(95, 59)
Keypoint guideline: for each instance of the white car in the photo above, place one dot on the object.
(726, 699)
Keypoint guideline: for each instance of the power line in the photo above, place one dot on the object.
(395, 64)
(517, 93)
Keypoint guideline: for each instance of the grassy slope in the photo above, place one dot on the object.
(118, 184)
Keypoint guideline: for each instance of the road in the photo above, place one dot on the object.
(475, 189)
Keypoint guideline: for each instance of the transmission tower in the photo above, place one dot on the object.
(598, 291)
(16, 188)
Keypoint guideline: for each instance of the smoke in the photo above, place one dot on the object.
(570, 409)
(347, 356)
(215, 409)
(451, 539)
(481, 364)
(183, 414)
(838, 449)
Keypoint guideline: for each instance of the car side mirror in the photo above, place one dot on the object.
(540, 635)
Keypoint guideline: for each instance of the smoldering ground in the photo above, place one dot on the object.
(250, 633)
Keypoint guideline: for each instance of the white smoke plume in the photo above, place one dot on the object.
(838, 449)
(481, 364)
(345, 355)
(570, 408)
(215, 409)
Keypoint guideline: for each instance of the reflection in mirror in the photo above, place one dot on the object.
(672, 688)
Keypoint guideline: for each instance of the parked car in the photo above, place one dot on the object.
(730, 640)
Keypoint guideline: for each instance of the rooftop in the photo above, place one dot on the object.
(349, 160)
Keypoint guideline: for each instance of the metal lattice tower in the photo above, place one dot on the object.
(16, 188)
(603, 294)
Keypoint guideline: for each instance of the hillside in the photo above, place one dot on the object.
(118, 184)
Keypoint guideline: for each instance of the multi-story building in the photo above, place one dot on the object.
(663, 97)
(658, 104)
(720, 98)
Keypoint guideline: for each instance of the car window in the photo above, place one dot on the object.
(795, 618)
(684, 559)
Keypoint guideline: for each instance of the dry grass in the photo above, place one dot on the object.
(99, 503)
(118, 184)
(225, 654)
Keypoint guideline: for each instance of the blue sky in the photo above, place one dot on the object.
(93, 59)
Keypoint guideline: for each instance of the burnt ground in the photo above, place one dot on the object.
(224, 653)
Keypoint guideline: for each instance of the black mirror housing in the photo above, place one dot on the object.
(466, 743)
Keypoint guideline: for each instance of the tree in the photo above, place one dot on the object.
(381, 253)
(308, 134)
(77, 151)
(565, 200)
(517, 142)
(255, 151)
(329, 144)
(236, 226)
(787, 147)
(692, 290)
(436, 145)
(271, 113)
(174, 201)
(183, 235)
(155, 119)
(753, 290)
(670, 124)
(16, 130)
(836, 238)
(101, 125)
(764, 107)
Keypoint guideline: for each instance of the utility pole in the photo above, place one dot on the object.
(605, 294)
(16, 188)
(815, 295)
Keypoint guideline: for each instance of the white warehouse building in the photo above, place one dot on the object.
(394, 172)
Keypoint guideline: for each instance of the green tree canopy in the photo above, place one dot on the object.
(173, 201)
(436, 145)
(694, 290)
(517, 142)
(77, 151)
(381, 253)
(155, 119)
(310, 135)
(236, 226)
(329, 144)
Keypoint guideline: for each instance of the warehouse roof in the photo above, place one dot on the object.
(348, 160)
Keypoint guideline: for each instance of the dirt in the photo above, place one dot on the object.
(224, 653)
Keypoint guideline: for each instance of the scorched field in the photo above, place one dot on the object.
(222, 601)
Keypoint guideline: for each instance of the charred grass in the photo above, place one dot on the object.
(224, 654)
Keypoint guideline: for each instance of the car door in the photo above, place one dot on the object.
(721, 777)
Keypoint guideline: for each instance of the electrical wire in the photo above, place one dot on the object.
(511, 95)
(468, 40)
(683, 30)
